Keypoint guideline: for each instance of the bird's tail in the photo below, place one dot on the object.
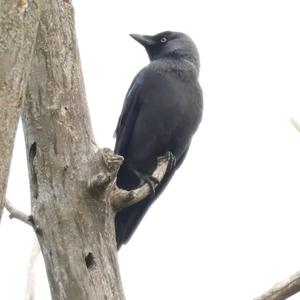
(128, 219)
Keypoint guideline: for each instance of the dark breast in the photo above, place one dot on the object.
(170, 112)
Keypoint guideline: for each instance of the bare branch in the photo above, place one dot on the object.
(17, 214)
(121, 198)
(30, 289)
(283, 290)
(296, 124)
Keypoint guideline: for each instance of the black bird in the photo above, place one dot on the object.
(161, 112)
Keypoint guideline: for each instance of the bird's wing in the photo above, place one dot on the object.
(128, 115)
(128, 219)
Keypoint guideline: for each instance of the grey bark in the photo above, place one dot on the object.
(75, 226)
(18, 27)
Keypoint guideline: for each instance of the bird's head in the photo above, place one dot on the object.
(169, 44)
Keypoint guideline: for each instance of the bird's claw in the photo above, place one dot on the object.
(172, 161)
(152, 182)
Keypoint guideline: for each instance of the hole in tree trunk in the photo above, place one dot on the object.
(90, 261)
(32, 151)
(32, 154)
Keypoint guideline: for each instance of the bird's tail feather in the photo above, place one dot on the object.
(129, 218)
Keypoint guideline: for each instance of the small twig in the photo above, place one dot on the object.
(121, 198)
(17, 214)
(283, 290)
(296, 124)
(30, 289)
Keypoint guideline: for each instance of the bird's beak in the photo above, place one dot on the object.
(145, 40)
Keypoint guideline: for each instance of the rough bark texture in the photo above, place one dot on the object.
(18, 27)
(75, 226)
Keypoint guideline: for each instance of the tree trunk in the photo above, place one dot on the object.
(74, 224)
(18, 27)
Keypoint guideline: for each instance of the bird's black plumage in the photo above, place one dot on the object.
(161, 112)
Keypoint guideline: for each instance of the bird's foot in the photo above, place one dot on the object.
(152, 182)
(172, 161)
(149, 179)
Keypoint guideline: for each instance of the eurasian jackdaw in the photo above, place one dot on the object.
(161, 112)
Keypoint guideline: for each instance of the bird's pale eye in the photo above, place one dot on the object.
(163, 40)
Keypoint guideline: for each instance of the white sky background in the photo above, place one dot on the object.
(227, 226)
